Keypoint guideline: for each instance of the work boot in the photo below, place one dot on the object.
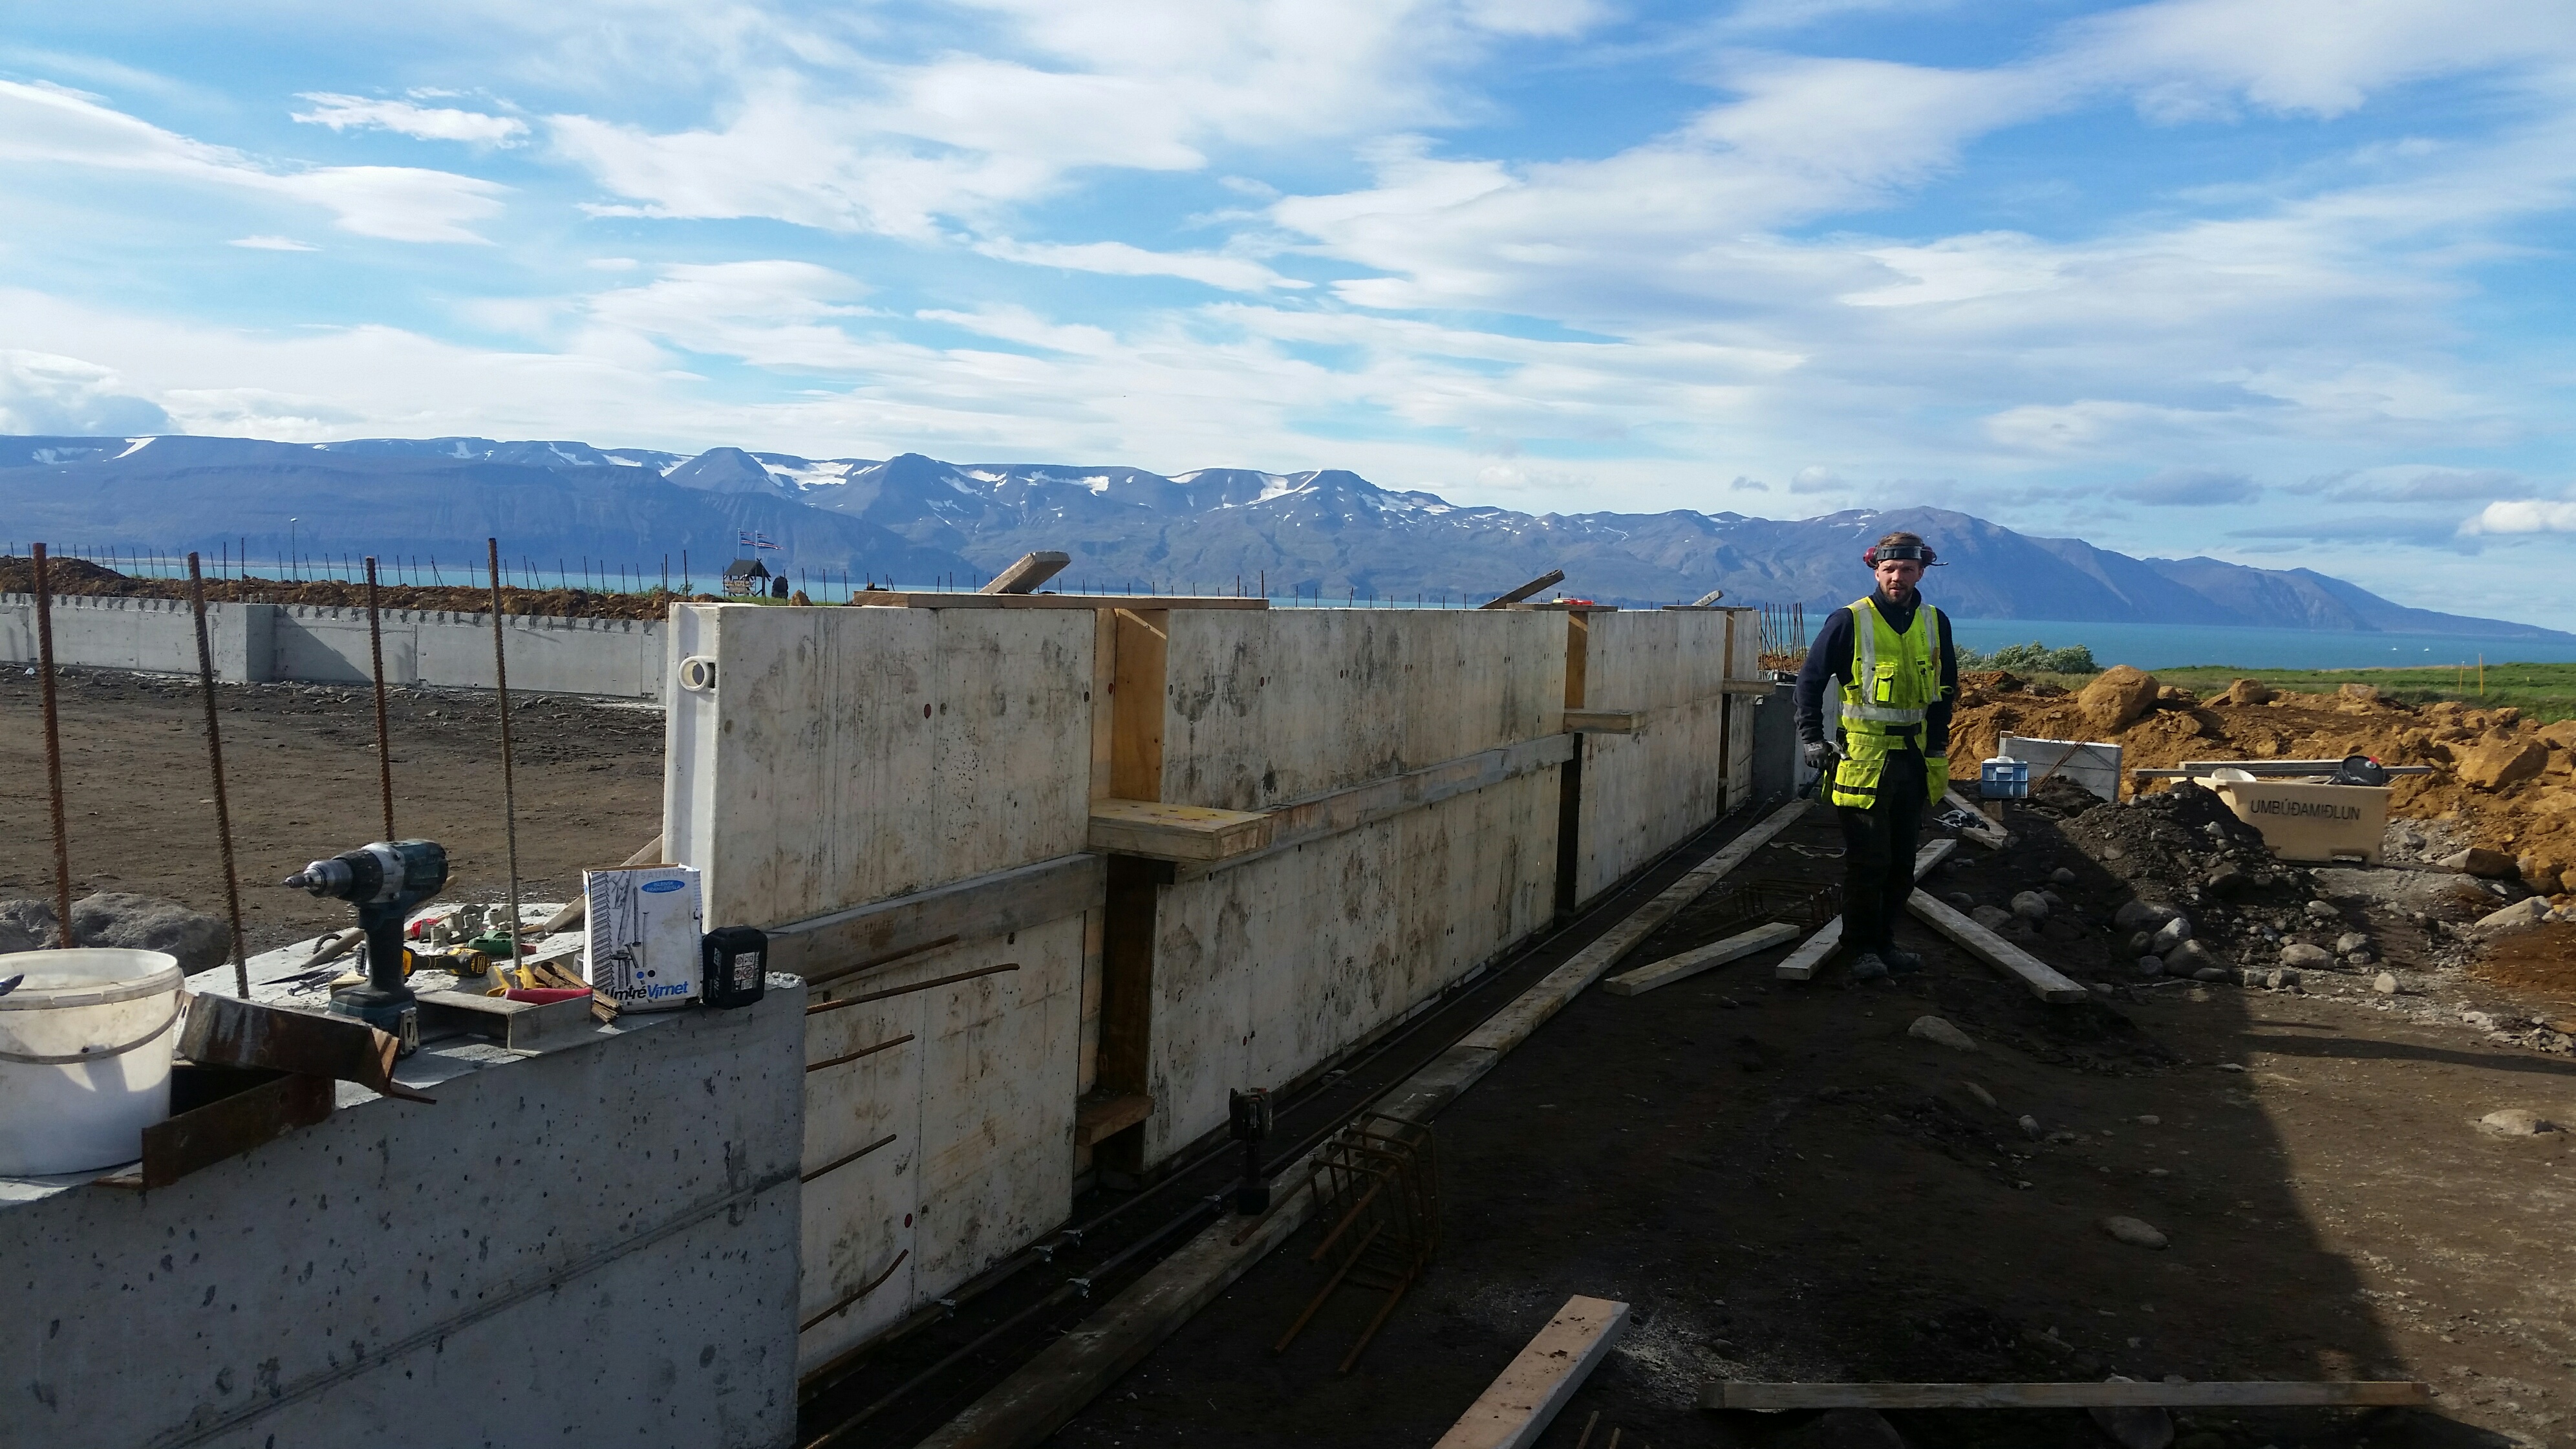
(1900, 962)
(1867, 967)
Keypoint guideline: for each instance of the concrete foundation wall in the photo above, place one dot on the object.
(1645, 792)
(254, 643)
(594, 1245)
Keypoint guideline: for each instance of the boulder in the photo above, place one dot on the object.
(2149, 967)
(1941, 1033)
(2305, 958)
(2385, 983)
(2522, 915)
(1990, 917)
(147, 923)
(2030, 906)
(2499, 763)
(2174, 696)
(26, 925)
(2189, 958)
(2504, 717)
(2229, 880)
(2351, 941)
(2169, 935)
(2212, 973)
(2515, 1122)
(2561, 733)
(2140, 915)
(2134, 1232)
(2479, 861)
(2117, 698)
(2539, 874)
(2248, 691)
(2364, 695)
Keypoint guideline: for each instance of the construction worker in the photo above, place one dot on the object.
(1893, 653)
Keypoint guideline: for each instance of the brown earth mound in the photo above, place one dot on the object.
(72, 576)
(2508, 783)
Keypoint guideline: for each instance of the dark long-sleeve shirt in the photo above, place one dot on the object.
(1830, 656)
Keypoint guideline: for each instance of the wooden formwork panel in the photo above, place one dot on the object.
(1647, 790)
(849, 755)
(980, 1103)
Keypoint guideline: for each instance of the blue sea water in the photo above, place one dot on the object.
(2172, 646)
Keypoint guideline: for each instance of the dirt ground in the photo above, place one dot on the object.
(1787, 1186)
(300, 761)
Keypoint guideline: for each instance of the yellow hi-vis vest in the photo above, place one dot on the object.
(1891, 680)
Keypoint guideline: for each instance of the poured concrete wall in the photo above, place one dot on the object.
(1264, 970)
(1645, 792)
(252, 643)
(848, 756)
(594, 1245)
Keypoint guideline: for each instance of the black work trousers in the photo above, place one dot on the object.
(1878, 855)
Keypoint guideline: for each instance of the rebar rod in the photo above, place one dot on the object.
(509, 788)
(215, 761)
(53, 749)
(384, 740)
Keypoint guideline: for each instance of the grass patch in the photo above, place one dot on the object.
(2543, 691)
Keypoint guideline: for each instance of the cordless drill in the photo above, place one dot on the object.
(384, 881)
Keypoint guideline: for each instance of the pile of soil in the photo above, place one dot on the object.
(72, 576)
(2507, 782)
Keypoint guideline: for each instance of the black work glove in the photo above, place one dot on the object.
(1821, 755)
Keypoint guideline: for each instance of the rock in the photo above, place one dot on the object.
(2515, 1122)
(1990, 917)
(2134, 1232)
(2030, 906)
(2305, 958)
(2248, 691)
(2029, 1126)
(1962, 900)
(2281, 978)
(2134, 1427)
(1984, 1097)
(2169, 935)
(2212, 973)
(2189, 958)
(2150, 966)
(147, 923)
(2140, 915)
(2359, 694)
(2359, 959)
(2502, 763)
(2061, 876)
(1941, 1033)
(2113, 852)
(2229, 880)
(2547, 880)
(2479, 861)
(2117, 698)
(2522, 915)
(2252, 976)
(2349, 942)
(2504, 717)
(26, 925)
(2320, 911)
(2141, 943)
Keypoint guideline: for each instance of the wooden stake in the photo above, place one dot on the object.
(509, 787)
(53, 749)
(215, 762)
(384, 741)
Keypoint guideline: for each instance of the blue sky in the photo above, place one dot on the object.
(2283, 281)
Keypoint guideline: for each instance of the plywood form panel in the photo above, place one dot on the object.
(857, 1220)
(1272, 707)
(1266, 971)
(848, 755)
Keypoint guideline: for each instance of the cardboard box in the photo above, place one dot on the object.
(2311, 822)
(640, 940)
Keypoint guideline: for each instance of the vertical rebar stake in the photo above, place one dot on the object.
(384, 744)
(53, 749)
(215, 756)
(509, 789)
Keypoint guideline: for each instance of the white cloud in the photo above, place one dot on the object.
(428, 123)
(47, 394)
(1233, 274)
(272, 244)
(49, 125)
(2522, 515)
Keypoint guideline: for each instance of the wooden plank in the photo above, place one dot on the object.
(1605, 721)
(2118, 1394)
(1552, 576)
(973, 909)
(230, 1126)
(1819, 948)
(1700, 958)
(1160, 831)
(2042, 978)
(897, 599)
(1137, 704)
(1097, 1116)
(1027, 572)
(1519, 1405)
(1983, 831)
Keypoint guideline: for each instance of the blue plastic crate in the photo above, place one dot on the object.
(2004, 779)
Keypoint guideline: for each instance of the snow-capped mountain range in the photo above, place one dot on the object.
(914, 520)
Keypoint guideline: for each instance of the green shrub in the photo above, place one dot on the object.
(2033, 658)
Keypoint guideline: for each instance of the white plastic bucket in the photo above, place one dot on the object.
(85, 1048)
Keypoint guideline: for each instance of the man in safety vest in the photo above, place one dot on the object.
(1893, 654)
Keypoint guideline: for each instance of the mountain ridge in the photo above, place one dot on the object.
(915, 520)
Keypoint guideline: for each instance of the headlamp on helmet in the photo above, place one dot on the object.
(1878, 554)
